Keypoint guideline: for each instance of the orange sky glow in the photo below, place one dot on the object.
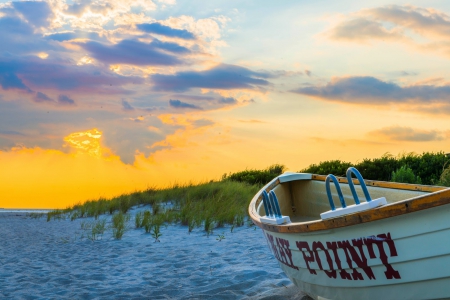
(100, 100)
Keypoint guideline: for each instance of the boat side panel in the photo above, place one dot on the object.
(415, 248)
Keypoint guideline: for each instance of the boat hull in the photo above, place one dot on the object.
(402, 257)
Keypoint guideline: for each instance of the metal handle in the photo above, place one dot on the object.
(275, 202)
(267, 204)
(271, 205)
(361, 182)
(333, 178)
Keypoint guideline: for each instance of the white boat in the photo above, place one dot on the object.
(395, 244)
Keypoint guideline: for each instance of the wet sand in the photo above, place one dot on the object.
(55, 260)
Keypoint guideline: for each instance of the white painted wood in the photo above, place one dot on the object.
(353, 208)
(290, 176)
(275, 221)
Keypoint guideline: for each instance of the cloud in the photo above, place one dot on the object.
(202, 123)
(252, 121)
(65, 100)
(223, 77)
(59, 74)
(370, 90)
(229, 100)
(179, 104)
(11, 133)
(11, 81)
(168, 31)
(35, 12)
(399, 133)
(126, 105)
(170, 47)
(361, 29)
(18, 37)
(195, 97)
(12, 25)
(426, 29)
(41, 97)
(131, 52)
(422, 20)
(72, 35)
(76, 9)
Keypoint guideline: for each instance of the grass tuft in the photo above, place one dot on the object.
(119, 224)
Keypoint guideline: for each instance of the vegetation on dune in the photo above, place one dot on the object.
(406, 175)
(258, 177)
(212, 205)
(119, 224)
(207, 205)
(426, 166)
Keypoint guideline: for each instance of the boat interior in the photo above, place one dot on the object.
(304, 197)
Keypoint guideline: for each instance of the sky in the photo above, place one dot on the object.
(101, 98)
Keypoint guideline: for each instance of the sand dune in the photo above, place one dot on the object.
(44, 260)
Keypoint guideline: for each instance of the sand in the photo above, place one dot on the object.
(55, 260)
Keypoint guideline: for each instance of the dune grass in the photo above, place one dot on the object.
(119, 224)
(207, 205)
(93, 230)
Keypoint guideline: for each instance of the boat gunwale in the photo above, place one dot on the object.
(437, 196)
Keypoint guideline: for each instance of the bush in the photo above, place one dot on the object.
(335, 167)
(256, 177)
(445, 178)
(427, 166)
(405, 175)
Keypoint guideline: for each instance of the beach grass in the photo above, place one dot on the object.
(208, 205)
(119, 224)
(93, 230)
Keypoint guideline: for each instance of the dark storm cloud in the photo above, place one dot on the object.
(166, 31)
(224, 77)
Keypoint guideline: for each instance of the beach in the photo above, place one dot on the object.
(57, 260)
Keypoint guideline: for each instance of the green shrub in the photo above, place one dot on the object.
(258, 177)
(445, 178)
(427, 166)
(405, 175)
(335, 167)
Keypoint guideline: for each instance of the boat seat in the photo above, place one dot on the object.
(358, 206)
